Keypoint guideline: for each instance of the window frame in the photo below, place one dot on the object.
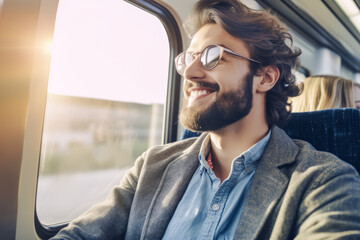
(171, 109)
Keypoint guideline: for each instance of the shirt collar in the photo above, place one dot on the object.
(250, 156)
(204, 150)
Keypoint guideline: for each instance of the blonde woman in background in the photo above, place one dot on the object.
(324, 92)
(357, 95)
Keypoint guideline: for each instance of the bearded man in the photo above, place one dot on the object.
(243, 178)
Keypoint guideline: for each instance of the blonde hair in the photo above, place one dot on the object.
(324, 92)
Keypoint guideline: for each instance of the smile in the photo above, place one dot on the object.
(197, 93)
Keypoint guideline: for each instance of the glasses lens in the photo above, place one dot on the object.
(182, 61)
(210, 57)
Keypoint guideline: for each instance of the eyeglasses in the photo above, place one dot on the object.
(209, 58)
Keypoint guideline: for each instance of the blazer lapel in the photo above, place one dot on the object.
(268, 185)
(171, 189)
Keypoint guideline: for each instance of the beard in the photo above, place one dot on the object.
(228, 108)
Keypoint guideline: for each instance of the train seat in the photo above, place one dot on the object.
(333, 130)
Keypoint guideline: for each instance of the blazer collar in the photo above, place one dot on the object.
(171, 189)
(268, 185)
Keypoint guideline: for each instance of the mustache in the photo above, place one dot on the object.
(189, 84)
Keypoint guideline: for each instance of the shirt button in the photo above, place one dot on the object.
(215, 207)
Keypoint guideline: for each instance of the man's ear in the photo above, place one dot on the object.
(269, 76)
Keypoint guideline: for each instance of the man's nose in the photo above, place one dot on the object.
(195, 70)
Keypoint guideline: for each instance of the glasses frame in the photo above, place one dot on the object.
(222, 50)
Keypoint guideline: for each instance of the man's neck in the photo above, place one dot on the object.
(232, 140)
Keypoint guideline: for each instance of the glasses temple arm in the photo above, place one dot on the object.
(235, 54)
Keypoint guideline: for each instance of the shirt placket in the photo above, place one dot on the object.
(218, 202)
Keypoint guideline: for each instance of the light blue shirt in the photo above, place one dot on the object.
(209, 210)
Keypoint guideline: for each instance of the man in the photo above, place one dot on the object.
(243, 178)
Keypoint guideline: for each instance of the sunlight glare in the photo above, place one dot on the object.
(48, 47)
(100, 54)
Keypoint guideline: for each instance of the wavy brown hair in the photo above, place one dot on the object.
(268, 40)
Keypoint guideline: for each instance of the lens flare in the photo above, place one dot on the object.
(48, 46)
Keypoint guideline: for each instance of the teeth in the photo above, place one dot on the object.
(198, 93)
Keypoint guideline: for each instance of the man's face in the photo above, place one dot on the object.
(357, 96)
(218, 97)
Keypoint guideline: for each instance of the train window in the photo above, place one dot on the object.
(105, 104)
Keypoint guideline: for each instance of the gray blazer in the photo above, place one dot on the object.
(297, 192)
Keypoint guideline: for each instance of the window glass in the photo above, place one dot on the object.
(105, 105)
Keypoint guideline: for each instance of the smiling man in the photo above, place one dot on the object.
(243, 178)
